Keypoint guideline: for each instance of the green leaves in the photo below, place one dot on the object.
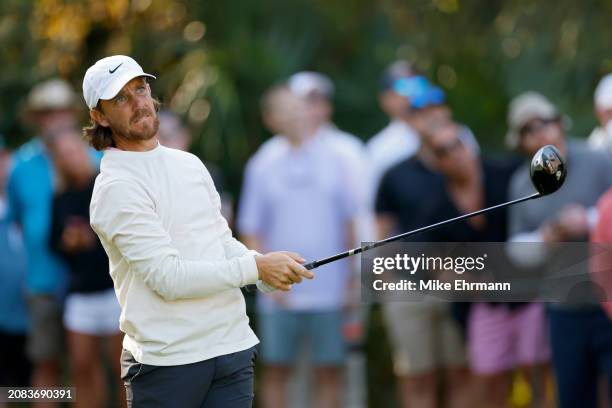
(215, 59)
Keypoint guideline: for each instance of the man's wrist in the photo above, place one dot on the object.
(264, 287)
(255, 256)
(249, 270)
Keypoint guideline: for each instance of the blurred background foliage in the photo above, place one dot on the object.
(214, 59)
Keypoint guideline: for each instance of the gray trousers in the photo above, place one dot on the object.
(224, 381)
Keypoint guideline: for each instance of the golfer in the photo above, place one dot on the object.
(176, 268)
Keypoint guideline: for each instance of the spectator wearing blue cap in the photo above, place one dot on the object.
(446, 179)
(411, 101)
(428, 104)
(399, 140)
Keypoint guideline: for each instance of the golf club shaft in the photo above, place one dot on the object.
(320, 262)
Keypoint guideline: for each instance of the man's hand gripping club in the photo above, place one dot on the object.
(282, 269)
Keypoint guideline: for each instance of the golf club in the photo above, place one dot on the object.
(547, 172)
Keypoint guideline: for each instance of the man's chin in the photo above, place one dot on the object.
(144, 130)
(142, 135)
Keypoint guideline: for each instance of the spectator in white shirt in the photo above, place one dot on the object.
(317, 91)
(303, 186)
(601, 137)
(398, 140)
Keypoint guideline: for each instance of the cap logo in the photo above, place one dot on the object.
(112, 71)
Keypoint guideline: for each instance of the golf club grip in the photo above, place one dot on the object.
(321, 262)
(309, 266)
(313, 265)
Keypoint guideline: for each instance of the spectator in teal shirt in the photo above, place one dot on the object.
(51, 105)
(14, 365)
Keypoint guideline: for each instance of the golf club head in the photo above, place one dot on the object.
(547, 170)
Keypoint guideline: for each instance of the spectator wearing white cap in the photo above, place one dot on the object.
(306, 187)
(317, 90)
(601, 137)
(49, 105)
(580, 332)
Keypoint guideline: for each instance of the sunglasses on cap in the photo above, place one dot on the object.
(441, 152)
(536, 125)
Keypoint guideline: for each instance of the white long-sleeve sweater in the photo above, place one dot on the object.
(176, 268)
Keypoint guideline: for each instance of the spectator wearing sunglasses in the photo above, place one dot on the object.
(580, 333)
(428, 105)
(447, 178)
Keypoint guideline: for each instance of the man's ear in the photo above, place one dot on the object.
(270, 122)
(98, 117)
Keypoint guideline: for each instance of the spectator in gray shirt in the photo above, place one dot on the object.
(580, 334)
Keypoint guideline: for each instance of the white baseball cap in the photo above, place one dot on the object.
(53, 94)
(306, 82)
(603, 93)
(525, 107)
(104, 79)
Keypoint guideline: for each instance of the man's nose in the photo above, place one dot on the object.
(139, 102)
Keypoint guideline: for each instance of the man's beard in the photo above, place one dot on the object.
(132, 135)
